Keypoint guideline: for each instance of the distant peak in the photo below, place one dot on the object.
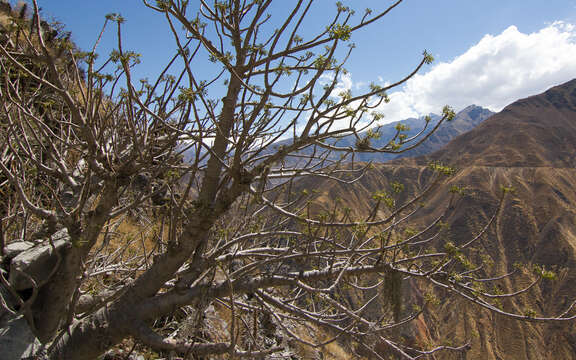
(475, 107)
(539, 130)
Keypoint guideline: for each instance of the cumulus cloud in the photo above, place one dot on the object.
(344, 84)
(493, 73)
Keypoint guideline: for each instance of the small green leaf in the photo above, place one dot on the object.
(428, 58)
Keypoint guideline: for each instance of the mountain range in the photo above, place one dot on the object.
(532, 132)
(465, 120)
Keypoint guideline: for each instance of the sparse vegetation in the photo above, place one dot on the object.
(177, 203)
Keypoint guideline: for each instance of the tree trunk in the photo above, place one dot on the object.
(92, 336)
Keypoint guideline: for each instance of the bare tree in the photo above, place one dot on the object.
(209, 174)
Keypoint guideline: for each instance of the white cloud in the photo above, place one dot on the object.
(344, 83)
(493, 73)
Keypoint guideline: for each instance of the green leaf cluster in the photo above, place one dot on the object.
(442, 169)
(428, 58)
(448, 113)
(545, 274)
(341, 32)
(384, 197)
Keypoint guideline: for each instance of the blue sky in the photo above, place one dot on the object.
(488, 52)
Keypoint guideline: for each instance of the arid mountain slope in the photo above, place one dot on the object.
(530, 146)
(536, 226)
(535, 131)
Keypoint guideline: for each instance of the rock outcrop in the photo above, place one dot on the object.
(25, 265)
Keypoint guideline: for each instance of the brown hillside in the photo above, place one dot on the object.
(535, 227)
(535, 131)
(530, 146)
